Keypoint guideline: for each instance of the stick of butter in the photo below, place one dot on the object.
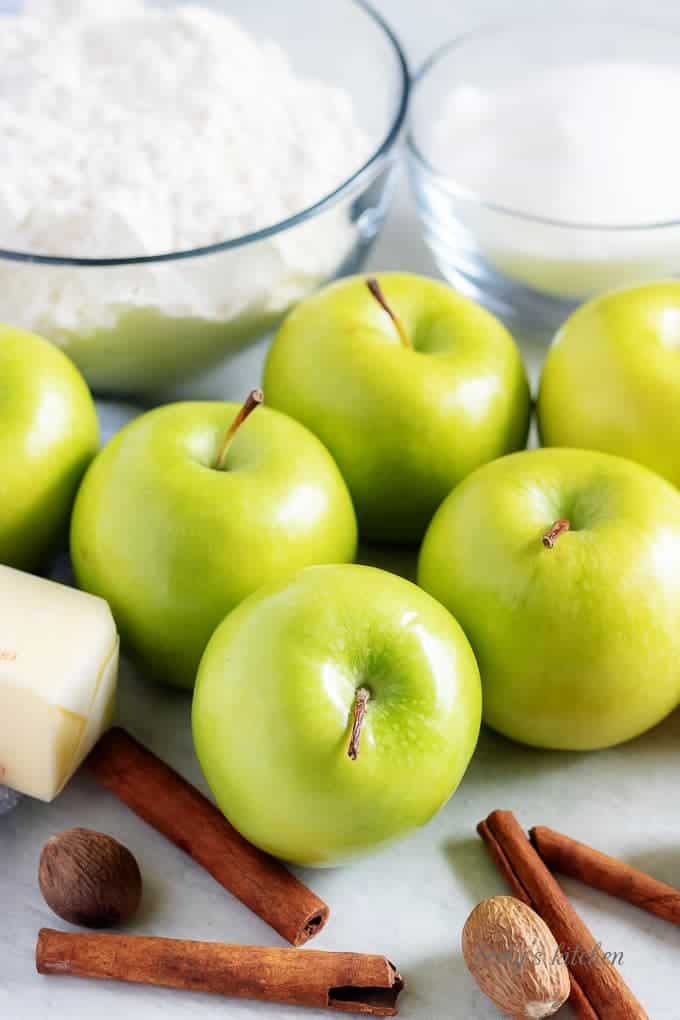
(58, 673)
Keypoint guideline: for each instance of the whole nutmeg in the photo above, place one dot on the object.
(514, 958)
(89, 878)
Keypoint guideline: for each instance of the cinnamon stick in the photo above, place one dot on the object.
(569, 857)
(180, 812)
(598, 990)
(577, 997)
(349, 982)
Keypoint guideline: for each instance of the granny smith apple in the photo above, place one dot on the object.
(189, 509)
(410, 386)
(48, 436)
(611, 380)
(335, 712)
(563, 567)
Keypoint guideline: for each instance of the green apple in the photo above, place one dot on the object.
(48, 436)
(410, 386)
(335, 712)
(563, 567)
(611, 380)
(188, 510)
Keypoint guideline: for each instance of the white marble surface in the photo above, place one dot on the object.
(409, 902)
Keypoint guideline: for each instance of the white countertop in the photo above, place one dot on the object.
(410, 902)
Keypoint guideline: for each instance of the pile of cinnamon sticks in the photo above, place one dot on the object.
(598, 991)
(349, 982)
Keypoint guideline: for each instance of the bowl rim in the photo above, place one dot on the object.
(308, 212)
(447, 183)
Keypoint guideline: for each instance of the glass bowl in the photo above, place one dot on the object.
(139, 326)
(530, 269)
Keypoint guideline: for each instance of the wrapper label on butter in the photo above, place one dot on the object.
(58, 674)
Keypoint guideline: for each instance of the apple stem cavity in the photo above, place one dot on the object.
(377, 293)
(253, 400)
(553, 533)
(360, 702)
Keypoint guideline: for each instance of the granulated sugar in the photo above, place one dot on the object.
(589, 144)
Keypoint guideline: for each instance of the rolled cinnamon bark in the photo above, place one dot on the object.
(180, 812)
(601, 993)
(577, 998)
(349, 982)
(569, 857)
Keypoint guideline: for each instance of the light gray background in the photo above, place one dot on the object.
(410, 902)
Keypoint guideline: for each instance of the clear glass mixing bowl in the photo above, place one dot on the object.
(530, 270)
(134, 325)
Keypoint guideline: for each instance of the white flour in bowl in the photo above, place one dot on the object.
(131, 130)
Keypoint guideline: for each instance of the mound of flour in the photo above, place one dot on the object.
(127, 129)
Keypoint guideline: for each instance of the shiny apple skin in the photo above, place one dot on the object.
(174, 544)
(273, 710)
(404, 425)
(578, 645)
(48, 436)
(611, 380)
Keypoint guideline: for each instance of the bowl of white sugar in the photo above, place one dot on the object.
(177, 175)
(546, 162)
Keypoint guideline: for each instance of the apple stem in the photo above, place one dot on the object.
(377, 293)
(253, 400)
(553, 533)
(360, 702)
